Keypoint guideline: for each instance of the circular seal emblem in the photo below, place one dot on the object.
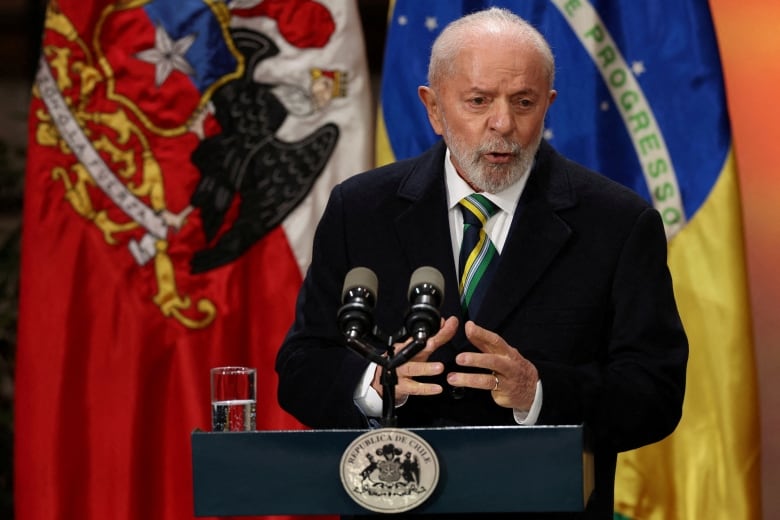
(389, 470)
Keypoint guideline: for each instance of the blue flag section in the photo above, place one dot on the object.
(640, 100)
(644, 106)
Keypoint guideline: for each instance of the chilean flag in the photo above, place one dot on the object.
(180, 155)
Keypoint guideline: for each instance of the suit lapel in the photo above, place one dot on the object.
(423, 228)
(536, 237)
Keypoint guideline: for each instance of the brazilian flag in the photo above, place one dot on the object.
(641, 100)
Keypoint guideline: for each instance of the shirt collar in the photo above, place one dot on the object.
(457, 188)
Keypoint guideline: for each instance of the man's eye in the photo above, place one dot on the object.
(478, 101)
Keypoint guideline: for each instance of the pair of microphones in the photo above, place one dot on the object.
(422, 320)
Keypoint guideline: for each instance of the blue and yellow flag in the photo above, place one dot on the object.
(640, 99)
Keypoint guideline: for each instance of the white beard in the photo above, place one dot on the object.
(485, 176)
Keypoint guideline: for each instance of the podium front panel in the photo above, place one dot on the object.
(482, 469)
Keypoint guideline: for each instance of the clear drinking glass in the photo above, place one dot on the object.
(233, 399)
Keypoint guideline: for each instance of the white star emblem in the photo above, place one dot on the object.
(431, 24)
(167, 55)
(402, 20)
(548, 134)
(638, 68)
(604, 106)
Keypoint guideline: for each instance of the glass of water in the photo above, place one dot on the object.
(233, 399)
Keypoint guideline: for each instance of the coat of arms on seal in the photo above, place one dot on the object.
(389, 470)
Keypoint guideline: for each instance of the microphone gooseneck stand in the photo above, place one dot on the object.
(389, 363)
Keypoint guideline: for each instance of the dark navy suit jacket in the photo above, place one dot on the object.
(582, 290)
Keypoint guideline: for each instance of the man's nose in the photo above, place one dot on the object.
(501, 117)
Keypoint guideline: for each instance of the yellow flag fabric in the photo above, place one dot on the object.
(641, 100)
(709, 467)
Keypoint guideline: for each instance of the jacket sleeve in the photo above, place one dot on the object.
(633, 394)
(318, 374)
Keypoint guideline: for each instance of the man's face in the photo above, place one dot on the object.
(491, 110)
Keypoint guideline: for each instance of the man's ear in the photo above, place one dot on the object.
(428, 98)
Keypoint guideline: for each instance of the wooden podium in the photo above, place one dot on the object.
(482, 469)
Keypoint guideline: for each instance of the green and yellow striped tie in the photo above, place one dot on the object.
(478, 255)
